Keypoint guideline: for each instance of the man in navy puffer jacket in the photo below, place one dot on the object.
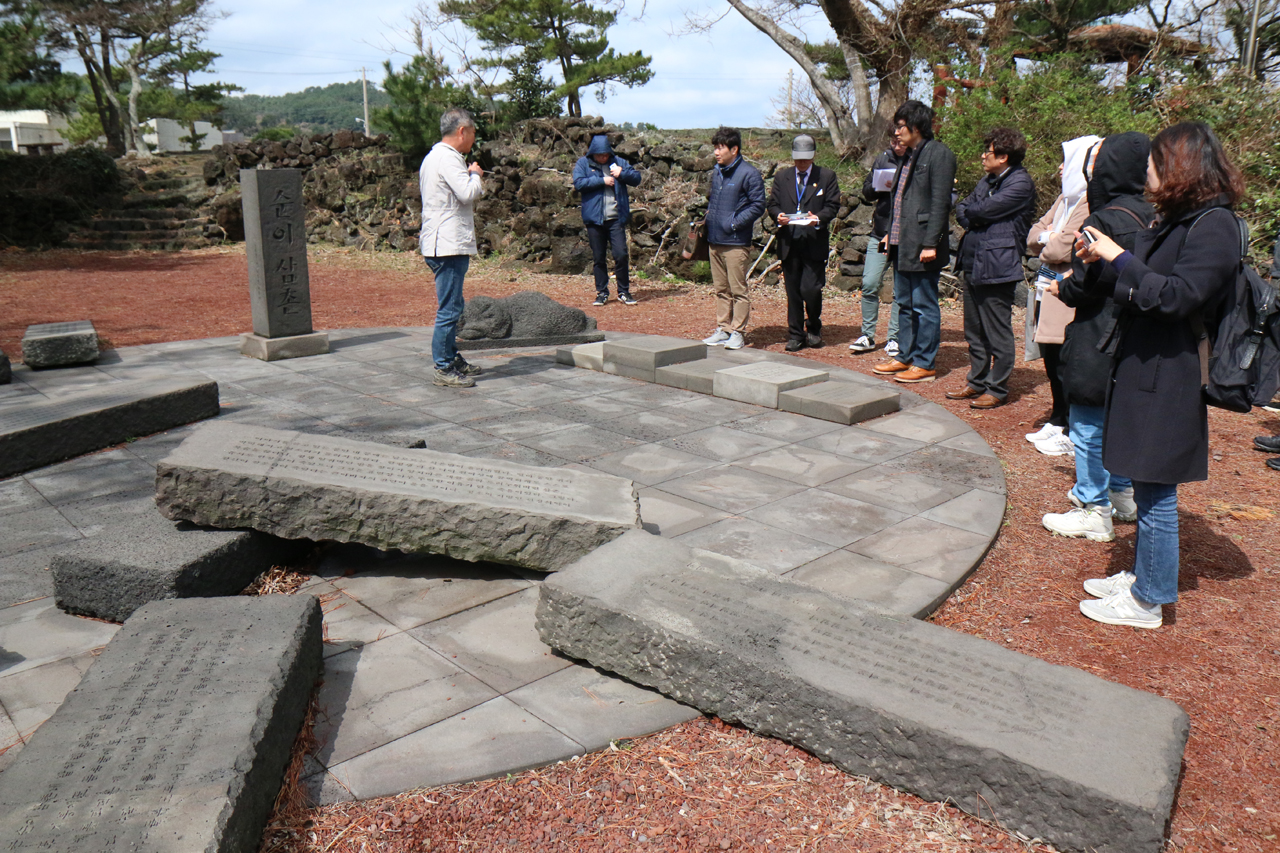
(737, 201)
(602, 179)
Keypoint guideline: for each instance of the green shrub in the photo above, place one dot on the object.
(282, 133)
(700, 271)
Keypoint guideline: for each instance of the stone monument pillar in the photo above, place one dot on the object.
(279, 290)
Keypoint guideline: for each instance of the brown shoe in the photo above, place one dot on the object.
(986, 401)
(890, 367)
(967, 394)
(916, 374)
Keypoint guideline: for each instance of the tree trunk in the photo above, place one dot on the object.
(99, 83)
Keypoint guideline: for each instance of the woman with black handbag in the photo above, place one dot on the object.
(1156, 431)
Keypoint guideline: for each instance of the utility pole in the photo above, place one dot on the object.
(791, 116)
(1251, 46)
(364, 84)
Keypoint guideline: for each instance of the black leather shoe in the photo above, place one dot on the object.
(813, 341)
(793, 345)
(1269, 443)
(1274, 464)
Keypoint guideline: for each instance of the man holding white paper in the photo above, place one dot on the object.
(877, 189)
(803, 201)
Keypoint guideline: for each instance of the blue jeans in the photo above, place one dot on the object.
(1156, 551)
(1092, 480)
(612, 235)
(872, 275)
(449, 272)
(915, 295)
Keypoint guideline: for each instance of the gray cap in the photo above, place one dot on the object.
(803, 147)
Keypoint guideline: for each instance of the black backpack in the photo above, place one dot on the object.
(1240, 351)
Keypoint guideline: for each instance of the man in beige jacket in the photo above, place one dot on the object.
(450, 189)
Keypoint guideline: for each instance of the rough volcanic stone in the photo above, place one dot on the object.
(302, 486)
(150, 558)
(51, 430)
(177, 737)
(842, 402)
(528, 315)
(275, 233)
(1047, 750)
(761, 383)
(6, 369)
(58, 344)
(639, 357)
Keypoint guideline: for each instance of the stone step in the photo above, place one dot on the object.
(108, 245)
(141, 224)
(156, 184)
(167, 198)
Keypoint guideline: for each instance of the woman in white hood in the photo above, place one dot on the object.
(1053, 240)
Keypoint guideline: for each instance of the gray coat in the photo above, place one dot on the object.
(926, 208)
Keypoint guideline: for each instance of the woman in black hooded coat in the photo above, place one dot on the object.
(1168, 289)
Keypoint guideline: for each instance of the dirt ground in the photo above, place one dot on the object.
(705, 785)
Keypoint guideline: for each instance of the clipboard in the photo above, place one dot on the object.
(882, 180)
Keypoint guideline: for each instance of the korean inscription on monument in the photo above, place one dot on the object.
(276, 239)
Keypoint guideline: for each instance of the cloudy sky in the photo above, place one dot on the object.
(726, 77)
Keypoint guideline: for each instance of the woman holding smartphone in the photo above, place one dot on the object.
(1167, 291)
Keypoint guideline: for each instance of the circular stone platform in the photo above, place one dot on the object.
(433, 671)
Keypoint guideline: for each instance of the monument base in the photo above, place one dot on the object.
(275, 349)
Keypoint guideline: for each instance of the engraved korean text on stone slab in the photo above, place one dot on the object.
(276, 245)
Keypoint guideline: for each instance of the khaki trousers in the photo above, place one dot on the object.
(729, 275)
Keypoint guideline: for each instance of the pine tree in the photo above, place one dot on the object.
(420, 92)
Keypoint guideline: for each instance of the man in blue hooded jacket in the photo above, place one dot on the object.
(602, 179)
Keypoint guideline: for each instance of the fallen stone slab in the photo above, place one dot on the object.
(150, 558)
(178, 736)
(762, 382)
(639, 357)
(1047, 750)
(300, 486)
(842, 402)
(59, 344)
(54, 429)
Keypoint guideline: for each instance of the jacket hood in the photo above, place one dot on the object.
(599, 145)
(1120, 169)
(1073, 179)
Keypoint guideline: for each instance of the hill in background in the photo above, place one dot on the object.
(316, 109)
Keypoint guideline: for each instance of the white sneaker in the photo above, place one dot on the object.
(1045, 432)
(1056, 445)
(1092, 523)
(1123, 609)
(891, 349)
(1123, 506)
(1107, 587)
(716, 338)
(736, 341)
(863, 344)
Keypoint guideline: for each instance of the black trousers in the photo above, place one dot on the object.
(1052, 360)
(988, 330)
(803, 279)
(612, 234)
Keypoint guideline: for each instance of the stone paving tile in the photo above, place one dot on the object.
(25, 576)
(722, 443)
(734, 490)
(649, 464)
(929, 423)
(926, 547)
(802, 465)
(37, 633)
(57, 380)
(833, 519)
(523, 424)
(512, 452)
(17, 495)
(891, 587)
(451, 438)
(653, 424)
(646, 394)
(348, 624)
(955, 466)
(977, 511)
(756, 543)
(496, 642)
(380, 383)
(667, 515)
(36, 528)
(94, 516)
(491, 739)
(83, 463)
(971, 442)
(601, 410)
(408, 364)
(592, 382)
(467, 409)
(31, 696)
(420, 396)
(860, 443)
(784, 426)
(594, 708)
(533, 395)
(153, 448)
(349, 374)
(385, 690)
(909, 493)
(713, 410)
(580, 443)
(10, 741)
(375, 352)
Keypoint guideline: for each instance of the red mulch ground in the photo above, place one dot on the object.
(704, 785)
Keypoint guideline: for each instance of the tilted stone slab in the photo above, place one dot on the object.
(842, 402)
(151, 558)
(639, 357)
(762, 382)
(59, 344)
(587, 356)
(1047, 750)
(696, 376)
(40, 433)
(176, 739)
(302, 486)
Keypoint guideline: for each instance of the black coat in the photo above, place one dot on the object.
(821, 197)
(1122, 213)
(996, 216)
(883, 201)
(926, 208)
(1157, 427)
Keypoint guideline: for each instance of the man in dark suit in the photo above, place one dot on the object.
(803, 201)
(919, 243)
